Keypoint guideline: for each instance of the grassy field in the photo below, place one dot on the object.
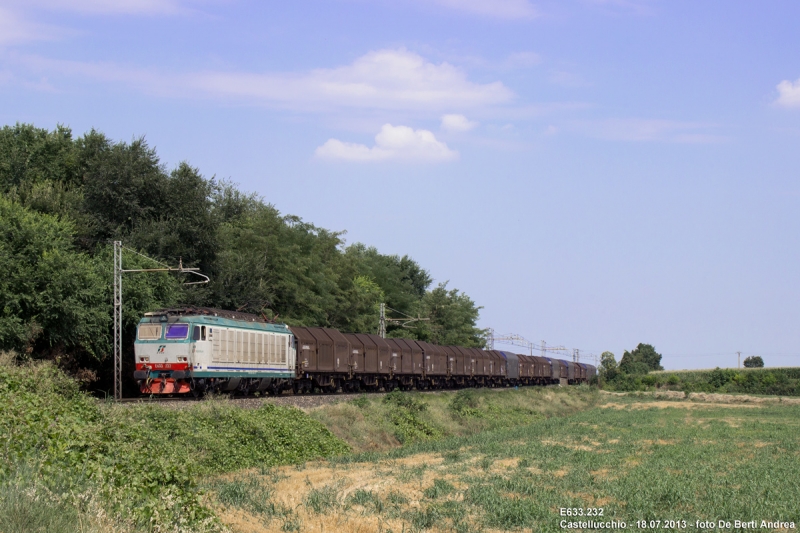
(379, 423)
(636, 457)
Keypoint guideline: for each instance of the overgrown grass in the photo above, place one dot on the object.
(376, 423)
(638, 458)
(143, 463)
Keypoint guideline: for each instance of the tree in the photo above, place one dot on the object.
(608, 365)
(452, 317)
(641, 360)
(53, 297)
(754, 361)
(65, 199)
(402, 280)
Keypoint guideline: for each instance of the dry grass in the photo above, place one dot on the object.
(634, 456)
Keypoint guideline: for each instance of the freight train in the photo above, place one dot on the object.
(198, 350)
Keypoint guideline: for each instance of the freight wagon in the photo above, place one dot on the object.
(194, 350)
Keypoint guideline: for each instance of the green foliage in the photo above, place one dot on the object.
(367, 499)
(466, 403)
(452, 319)
(52, 295)
(144, 460)
(412, 402)
(754, 361)
(66, 198)
(608, 366)
(439, 488)
(404, 415)
(370, 422)
(321, 500)
(768, 381)
(28, 505)
(641, 360)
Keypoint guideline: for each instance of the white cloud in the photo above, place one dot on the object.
(383, 79)
(457, 123)
(789, 94)
(392, 143)
(503, 9)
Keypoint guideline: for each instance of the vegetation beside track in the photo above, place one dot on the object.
(637, 457)
(382, 422)
(70, 463)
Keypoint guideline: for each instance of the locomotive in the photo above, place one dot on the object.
(197, 350)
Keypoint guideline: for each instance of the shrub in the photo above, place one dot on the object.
(465, 403)
(754, 361)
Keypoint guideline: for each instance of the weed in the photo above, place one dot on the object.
(367, 499)
(453, 456)
(465, 403)
(396, 498)
(151, 482)
(439, 488)
(321, 500)
(361, 401)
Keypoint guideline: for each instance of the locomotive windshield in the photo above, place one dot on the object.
(177, 331)
(149, 332)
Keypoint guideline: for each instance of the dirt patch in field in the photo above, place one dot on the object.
(660, 442)
(292, 488)
(675, 405)
(505, 464)
(570, 445)
(603, 473)
(706, 397)
(591, 500)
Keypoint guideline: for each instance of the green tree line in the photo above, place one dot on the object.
(64, 199)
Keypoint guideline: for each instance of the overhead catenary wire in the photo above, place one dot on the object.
(118, 271)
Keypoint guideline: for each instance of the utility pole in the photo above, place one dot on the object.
(545, 349)
(118, 271)
(738, 359)
(576, 355)
(507, 338)
(401, 321)
(382, 323)
(117, 320)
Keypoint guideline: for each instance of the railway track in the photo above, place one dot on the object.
(302, 401)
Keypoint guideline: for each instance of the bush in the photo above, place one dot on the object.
(754, 361)
(465, 403)
(45, 420)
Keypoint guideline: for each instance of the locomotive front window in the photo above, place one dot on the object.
(177, 331)
(149, 332)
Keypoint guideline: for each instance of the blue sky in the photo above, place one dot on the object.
(594, 173)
